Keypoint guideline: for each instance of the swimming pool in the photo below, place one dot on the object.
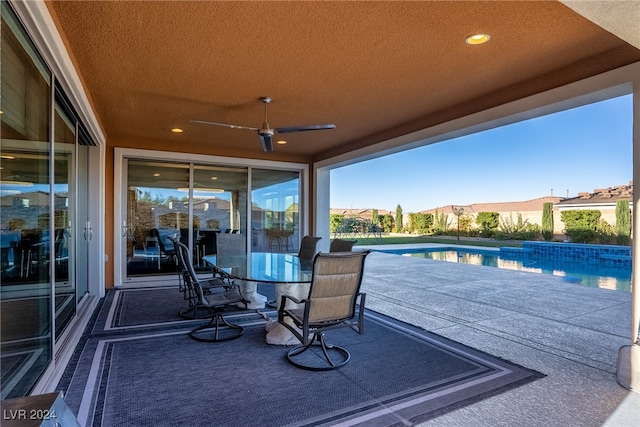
(594, 275)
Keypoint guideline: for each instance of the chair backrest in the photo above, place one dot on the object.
(308, 247)
(341, 245)
(189, 273)
(181, 251)
(335, 285)
(184, 261)
(231, 244)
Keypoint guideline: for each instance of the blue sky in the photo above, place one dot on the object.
(576, 150)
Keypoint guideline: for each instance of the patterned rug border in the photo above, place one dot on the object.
(389, 410)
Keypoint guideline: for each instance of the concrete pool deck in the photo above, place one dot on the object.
(570, 333)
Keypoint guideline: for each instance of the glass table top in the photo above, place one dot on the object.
(268, 267)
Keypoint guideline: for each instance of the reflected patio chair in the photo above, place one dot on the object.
(273, 236)
(332, 303)
(215, 300)
(155, 248)
(341, 245)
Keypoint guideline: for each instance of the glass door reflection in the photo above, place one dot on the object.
(25, 189)
(275, 210)
(64, 220)
(157, 211)
(219, 206)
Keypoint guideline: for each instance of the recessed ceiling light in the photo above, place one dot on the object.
(477, 39)
(156, 174)
(177, 130)
(281, 142)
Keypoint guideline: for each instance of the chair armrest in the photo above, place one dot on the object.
(214, 282)
(284, 299)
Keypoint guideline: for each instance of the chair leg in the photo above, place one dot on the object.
(326, 348)
(221, 329)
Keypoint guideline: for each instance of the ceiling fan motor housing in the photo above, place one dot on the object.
(266, 130)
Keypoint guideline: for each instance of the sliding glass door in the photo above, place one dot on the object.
(157, 211)
(195, 203)
(41, 175)
(25, 190)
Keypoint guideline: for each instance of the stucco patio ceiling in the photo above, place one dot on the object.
(375, 69)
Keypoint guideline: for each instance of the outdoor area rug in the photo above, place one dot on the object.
(397, 375)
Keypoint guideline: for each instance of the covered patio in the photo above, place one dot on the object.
(569, 333)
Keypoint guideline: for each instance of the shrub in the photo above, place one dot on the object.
(528, 232)
(420, 223)
(547, 221)
(509, 226)
(531, 232)
(488, 222)
(387, 223)
(441, 223)
(335, 223)
(466, 223)
(398, 219)
(581, 225)
(605, 233)
(623, 222)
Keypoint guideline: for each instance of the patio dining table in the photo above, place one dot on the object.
(287, 272)
(263, 267)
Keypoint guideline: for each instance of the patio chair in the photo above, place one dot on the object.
(331, 304)
(341, 245)
(308, 247)
(215, 285)
(215, 299)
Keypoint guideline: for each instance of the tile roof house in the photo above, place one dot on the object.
(530, 210)
(602, 199)
(364, 213)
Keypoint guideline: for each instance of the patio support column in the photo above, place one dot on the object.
(635, 278)
(321, 192)
(628, 369)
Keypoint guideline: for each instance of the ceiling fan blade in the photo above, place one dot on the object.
(304, 128)
(265, 139)
(223, 125)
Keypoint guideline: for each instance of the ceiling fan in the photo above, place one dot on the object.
(265, 132)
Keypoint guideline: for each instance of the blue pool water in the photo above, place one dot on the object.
(595, 275)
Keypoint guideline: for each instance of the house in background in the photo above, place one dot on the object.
(364, 213)
(601, 199)
(531, 211)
